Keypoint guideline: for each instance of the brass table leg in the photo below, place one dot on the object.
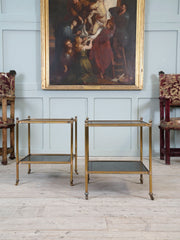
(150, 163)
(17, 152)
(76, 171)
(29, 145)
(141, 150)
(71, 180)
(86, 159)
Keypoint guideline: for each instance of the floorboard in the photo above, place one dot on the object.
(45, 206)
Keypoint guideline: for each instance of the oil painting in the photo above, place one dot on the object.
(92, 44)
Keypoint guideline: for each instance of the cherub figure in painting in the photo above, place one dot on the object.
(68, 55)
(67, 61)
(84, 69)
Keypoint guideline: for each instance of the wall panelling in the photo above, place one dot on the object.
(20, 48)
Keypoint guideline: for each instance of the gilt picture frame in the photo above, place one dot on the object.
(92, 44)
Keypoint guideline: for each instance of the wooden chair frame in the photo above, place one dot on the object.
(7, 98)
(166, 125)
(5, 150)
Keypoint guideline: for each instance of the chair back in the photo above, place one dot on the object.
(170, 87)
(7, 83)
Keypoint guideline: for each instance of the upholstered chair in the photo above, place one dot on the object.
(169, 99)
(7, 97)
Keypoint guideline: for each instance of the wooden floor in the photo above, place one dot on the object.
(45, 206)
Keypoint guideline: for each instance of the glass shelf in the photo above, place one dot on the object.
(117, 166)
(48, 158)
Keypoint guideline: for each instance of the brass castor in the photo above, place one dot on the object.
(17, 182)
(151, 196)
(141, 179)
(86, 196)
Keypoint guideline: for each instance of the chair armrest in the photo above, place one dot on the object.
(164, 105)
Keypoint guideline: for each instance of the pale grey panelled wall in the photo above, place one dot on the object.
(20, 48)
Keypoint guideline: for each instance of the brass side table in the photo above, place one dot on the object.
(118, 167)
(47, 158)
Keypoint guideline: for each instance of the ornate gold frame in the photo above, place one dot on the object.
(139, 64)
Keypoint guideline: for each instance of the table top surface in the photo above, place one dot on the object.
(46, 120)
(104, 123)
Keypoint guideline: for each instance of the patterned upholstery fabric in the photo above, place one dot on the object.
(174, 123)
(7, 83)
(9, 121)
(170, 87)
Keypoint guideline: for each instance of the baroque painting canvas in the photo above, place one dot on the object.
(92, 44)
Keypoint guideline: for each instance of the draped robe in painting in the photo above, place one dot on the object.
(101, 52)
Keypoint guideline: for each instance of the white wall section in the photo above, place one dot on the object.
(20, 48)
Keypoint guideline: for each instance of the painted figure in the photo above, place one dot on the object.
(68, 31)
(121, 18)
(101, 53)
(84, 69)
(97, 17)
(68, 62)
(79, 9)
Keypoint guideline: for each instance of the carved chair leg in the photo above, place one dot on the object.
(167, 136)
(4, 146)
(12, 156)
(161, 144)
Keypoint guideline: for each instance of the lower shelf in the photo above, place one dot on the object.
(47, 158)
(117, 167)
